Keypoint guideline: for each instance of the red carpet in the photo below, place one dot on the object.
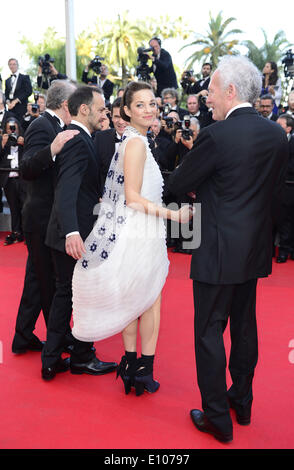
(86, 412)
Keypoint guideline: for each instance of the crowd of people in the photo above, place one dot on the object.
(167, 138)
(55, 215)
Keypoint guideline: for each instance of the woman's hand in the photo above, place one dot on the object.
(183, 215)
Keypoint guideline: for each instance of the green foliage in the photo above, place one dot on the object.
(216, 43)
(50, 44)
(270, 51)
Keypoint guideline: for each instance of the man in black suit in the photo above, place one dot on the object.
(76, 194)
(106, 142)
(285, 227)
(43, 140)
(203, 116)
(237, 170)
(267, 104)
(193, 86)
(163, 68)
(169, 96)
(18, 89)
(102, 81)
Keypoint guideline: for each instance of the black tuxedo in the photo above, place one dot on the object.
(37, 169)
(76, 194)
(77, 176)
(164, 72)
(285, 226)
(23, 91)
(237, 170)
(104, 145)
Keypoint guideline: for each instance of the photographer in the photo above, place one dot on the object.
(10, 157)
(185, 135)
(34, 110)
(4, 114)
(100, 79)
(170, 96)
(203, 115)
(285, 227)
(163, 68)
(44, 139)
(192, 86)
(47, 73)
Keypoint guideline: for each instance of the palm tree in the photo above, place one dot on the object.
(270, 51)
(119, 43)
(216, 43)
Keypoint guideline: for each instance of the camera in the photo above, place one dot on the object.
(12, 138)
(143, 70)
(45, 63)
(96, 63)
(35, 106)
(185, 82)
(168, 121)
(186, 131)
(288, 62)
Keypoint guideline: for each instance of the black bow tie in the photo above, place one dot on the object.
(13, 75)
(117, 140)
(1, 112)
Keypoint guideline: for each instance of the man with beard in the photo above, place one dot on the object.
(76, 194)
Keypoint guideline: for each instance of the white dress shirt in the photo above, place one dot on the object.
(241, 105)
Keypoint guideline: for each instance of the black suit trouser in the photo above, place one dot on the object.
(38, 289)
(15, 198)
(214, 305)
(60, 316)
(286, 226)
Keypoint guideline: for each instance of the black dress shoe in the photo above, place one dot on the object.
(34, 345)
(244, 417)
(93, 367)
(48, 373)
(204, 425)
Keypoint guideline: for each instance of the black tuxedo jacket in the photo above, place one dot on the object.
(5, 163)
(37, 168)
(104, 145)
(23, 91)
(237, 170)
(77, 190)
(164, 72)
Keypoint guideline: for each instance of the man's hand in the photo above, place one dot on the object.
(188, 143)
(61, 139)
(12, 103)
(74, 246)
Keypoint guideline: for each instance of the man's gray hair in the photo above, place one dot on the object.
(170, 91)
(241, 72)
(195, 121)
(59, 91)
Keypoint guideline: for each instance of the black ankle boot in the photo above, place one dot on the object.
(143, 379)
(126, 370)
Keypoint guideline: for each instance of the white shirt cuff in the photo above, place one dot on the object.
(72, 233)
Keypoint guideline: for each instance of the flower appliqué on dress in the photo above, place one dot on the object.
(104, 254)
(85, 263)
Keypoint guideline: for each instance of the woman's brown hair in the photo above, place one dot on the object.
(127, 97)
